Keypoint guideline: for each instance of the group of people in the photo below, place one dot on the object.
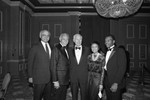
(83, 69)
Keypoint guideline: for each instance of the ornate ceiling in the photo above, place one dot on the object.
(66, 1)
(69, 5)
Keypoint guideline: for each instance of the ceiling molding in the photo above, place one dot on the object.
(37, 7)
(19, 4)
(30, 3)
(50, 14)
(146, 7)
(71, 13)
(142, 15)
(66, 7)
(8, 2)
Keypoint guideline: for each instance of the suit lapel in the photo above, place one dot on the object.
(59, 46)
(112, 53)
(82, 53)
(42, 48)
(73, 51)
(74, 55)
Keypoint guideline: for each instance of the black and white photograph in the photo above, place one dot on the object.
(74, 49)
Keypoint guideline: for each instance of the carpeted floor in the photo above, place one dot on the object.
(138, 88)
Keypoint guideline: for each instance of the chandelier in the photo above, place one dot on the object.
(117, 8)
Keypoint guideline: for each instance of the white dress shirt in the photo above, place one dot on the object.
(78, 53)
(107, 56)
(43, 43)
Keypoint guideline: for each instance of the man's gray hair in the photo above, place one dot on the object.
(75, 35)
(42, 31)
(63, 34)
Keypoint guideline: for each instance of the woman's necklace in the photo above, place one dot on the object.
(95, 56)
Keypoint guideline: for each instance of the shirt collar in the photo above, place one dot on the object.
(61, 44)
(112, 47)
(78, 46)
(43, 43)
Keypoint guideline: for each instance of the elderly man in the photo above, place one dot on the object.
(60, 67)
(78, 68)
(39, 67)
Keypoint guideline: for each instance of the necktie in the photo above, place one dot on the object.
(64, 47)
(47, 50)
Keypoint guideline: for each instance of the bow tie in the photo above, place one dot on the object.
(77, 48)
(110, 49)
(64, 47)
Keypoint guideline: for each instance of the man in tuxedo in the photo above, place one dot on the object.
(39, 67)
(78, 68)
(60, 67)
(115, 67)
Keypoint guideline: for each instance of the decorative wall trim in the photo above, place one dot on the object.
(130, 49)
(50, 14)
(19, 67)
(1, 50)
(57, 30)
(23, 33)
(45, 26)
(18, 3)
(141, 33)
(16, 61)
(7, 1)
(1, 69)
(20, 32)
(142, 63)
(28, 1)
(130, 31)
(26, 65)
(131, 65)
(30, 30)
(1, 21)
(64, 14)
(143, 51)
(65, 7)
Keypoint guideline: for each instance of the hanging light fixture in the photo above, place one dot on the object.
(117, 8)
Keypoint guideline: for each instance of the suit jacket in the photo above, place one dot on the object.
(39, 65)
(60, 65)
(79, 72)
(116, 66)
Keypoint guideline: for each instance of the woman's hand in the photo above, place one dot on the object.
(100, 87)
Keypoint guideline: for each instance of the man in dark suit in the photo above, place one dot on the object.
(115, 67)
(60, 67)
(78, 68)
(39, 67)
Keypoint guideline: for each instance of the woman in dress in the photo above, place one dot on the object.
(95, 71)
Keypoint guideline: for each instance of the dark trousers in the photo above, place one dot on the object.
(83, 90)
(60, 93)
(42, 91)
(111, 95)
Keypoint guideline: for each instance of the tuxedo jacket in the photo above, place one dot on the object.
(39, 65)
(116, 66)
(79, 72)
(60, 65)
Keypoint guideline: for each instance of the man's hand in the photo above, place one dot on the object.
(30, 80)
(56, 85)
(114, 87)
